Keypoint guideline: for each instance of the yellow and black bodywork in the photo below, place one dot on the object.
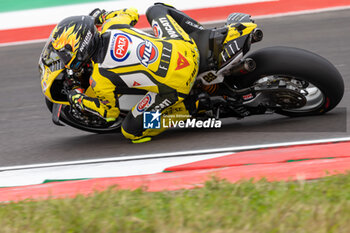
(236, 40)
(228, 45)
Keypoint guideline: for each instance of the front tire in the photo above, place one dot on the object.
(68, 118)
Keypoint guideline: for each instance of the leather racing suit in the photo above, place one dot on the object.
(165, 66)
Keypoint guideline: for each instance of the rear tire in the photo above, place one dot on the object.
(302, 65)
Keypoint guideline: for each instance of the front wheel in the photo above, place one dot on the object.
(88, 123)
(319, 84)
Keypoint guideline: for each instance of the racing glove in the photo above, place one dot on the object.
(101, 15)
(75, 98)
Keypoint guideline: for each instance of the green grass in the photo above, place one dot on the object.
(314, 206)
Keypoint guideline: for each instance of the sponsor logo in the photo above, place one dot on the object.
(230, 49)
(156, 29)
(165, 103)
(168, 27)
(151, 120)
(44, 86)
(144, 103)
(181, 62)
(121, 47)
(136, 84)
(147, 53)
(195, 25)
(86, 41)
(164, 59)
(104, 102)
(92, 82)
(248, 96)
(191, 79)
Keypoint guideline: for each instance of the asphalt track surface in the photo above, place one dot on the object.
(27, 135)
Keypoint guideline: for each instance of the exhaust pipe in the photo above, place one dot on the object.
(249, 65)
(245, 66)
(257, 35)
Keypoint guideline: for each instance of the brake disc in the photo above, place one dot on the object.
(286, 98)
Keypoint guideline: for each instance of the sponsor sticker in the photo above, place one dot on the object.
(104, 102)
(165, 58)
(168, 27)
(195, 25)
(181, 62)
(86, 41)
(144, 103)
(248, 96)
(135, 84)
(147, 53)
(92, 82)
(44, 86)
(165, 103)
(121, 47)
(156, 29)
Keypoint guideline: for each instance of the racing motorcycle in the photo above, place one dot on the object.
(230, 83)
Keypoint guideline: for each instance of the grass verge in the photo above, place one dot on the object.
(316, 206)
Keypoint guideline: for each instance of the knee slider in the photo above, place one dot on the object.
(132, 127)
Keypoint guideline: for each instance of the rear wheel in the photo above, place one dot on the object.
(317, 86)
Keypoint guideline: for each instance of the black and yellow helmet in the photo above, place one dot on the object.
(75, 40)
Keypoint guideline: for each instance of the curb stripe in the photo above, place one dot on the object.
(271, 156)
(311, 169)
(303, 170)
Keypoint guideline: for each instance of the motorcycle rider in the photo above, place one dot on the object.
(124, 58)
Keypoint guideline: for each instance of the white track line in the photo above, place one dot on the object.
(174, 154)
(305, 12)
(98, 170)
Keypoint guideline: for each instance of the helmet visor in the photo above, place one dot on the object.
(69, 59)
(65, 55)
